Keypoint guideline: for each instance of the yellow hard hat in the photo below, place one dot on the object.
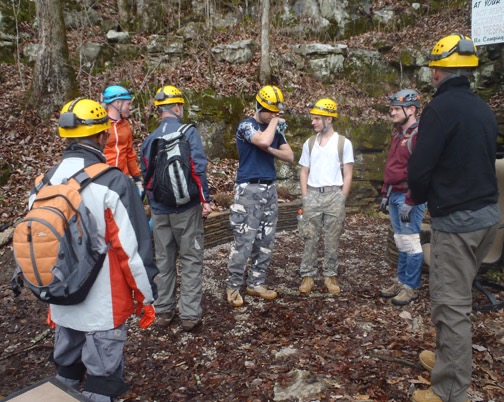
(168, 95)
(454, 51)
(82, 118)
(271, 98)
(325, 107)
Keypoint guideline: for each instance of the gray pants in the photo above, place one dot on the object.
(98, 354)
(455, 261)
(253, 218)
(179, 234)
(323, 213)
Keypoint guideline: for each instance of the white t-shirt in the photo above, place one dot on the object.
(324, 163)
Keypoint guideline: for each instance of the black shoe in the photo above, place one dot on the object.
(165, 318)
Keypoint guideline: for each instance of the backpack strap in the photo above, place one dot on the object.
(90, 173)
(341, 144)
(409, 143)
(45, 179)
(311, 143)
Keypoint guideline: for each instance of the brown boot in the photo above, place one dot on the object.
(234, 298)
(261, 291)
(392, 290)
(405, 296)
(306, 285)
(332, 285)
(427, 359)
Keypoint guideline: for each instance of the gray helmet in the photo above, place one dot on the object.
(405, 97)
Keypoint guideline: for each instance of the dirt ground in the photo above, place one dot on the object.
(353, 347)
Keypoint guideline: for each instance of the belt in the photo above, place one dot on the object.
(261, 181)
(326, 189)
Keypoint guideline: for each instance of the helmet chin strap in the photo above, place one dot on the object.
(325, 127)
(118, 109)
(405, 120)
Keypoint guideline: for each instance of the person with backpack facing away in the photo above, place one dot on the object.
(90, 336)
(405, 216)
(119, 150)
(326, 176)
(173, 164)
(254, 214)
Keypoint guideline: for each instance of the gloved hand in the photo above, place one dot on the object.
(383, 205)
(49, 320)
(405, 212)
(148, 316)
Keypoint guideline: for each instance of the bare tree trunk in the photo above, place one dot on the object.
(123, 11)
(142, 15)
(54, 81)
(265, 69)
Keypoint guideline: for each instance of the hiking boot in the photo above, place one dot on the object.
(306, 285)
(234, 297)
(392, 290)
(261, 291)
(189, 325)
(165, 318)
(332, 285)
(427, 359)
(405, 296)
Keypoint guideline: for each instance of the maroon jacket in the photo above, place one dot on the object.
(396, 167)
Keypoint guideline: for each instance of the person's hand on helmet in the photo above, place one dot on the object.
(383, 205)
(405, 212)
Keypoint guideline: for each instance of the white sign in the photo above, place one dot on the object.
(487, 22)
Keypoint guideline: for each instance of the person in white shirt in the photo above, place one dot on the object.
(326, 176)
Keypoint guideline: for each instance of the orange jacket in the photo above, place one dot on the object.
(119, 149)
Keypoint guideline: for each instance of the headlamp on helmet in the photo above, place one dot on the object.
(454, 51)
(82, 118)
(168, 95)
(405, 97)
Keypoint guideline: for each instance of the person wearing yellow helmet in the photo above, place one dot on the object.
(97, 326)
(177, 227)
(326, 176)
(452, 168)
(405, 216)
(254, 214)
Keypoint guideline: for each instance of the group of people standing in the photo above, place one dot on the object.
(445, 159)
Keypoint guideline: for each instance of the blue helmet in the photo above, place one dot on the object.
(115, 92)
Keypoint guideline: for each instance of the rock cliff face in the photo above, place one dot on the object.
(356, 51)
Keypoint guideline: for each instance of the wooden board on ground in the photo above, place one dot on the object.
(48, 390)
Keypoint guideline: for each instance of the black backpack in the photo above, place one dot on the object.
(170, 167)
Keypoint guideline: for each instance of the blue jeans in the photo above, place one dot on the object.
(409, 266)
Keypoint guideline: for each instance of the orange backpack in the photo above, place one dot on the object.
(56, 247)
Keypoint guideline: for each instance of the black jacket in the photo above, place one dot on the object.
(453, 164)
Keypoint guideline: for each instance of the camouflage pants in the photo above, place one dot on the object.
(323, 213)
(253, 219)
